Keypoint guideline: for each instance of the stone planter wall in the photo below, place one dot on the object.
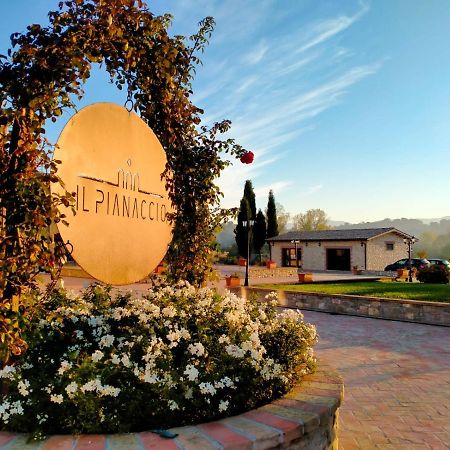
(306, 418)
(279, 272)
(432, 313)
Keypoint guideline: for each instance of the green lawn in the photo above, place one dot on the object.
(386, 289)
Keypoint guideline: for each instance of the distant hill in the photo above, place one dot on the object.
(433, 234)
(414, 227)
(337, 223)
(225, 238)
(428, 221)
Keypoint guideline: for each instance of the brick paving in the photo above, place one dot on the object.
(396, 377)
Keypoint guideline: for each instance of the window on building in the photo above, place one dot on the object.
(389, 246)
(288, 257)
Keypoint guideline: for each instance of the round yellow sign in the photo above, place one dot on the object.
(113, 161)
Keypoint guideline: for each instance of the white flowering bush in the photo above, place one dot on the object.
(99, 363)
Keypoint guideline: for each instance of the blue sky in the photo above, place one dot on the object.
(346, 104)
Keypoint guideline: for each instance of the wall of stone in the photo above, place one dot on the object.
(432, 313)
(314, 255)
(306, 418)
(279, 272)
(377, 255)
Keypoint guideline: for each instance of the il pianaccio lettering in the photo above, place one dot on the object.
(122, 199)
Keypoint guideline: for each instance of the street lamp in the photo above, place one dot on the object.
(409, 242)
(247, 224)
(296, 242)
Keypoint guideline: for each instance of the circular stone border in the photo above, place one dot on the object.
(306, 417)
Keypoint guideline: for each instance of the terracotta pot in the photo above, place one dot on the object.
(305, 277)
(402, 273)
(271, 265)
(233, 281)
(242, 261)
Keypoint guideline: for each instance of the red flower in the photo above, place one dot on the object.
(247, 158)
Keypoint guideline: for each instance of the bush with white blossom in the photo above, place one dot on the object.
(102, 363)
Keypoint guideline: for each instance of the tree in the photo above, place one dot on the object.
(271, 213)
(312, 220)
(241, 231)
(249, 194)
(259, 233)
(282, 218)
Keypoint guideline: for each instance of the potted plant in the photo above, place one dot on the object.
(234, 279)
(356, 270)
(304, 277)
(271, 264)
(402, 273)
(242, 261)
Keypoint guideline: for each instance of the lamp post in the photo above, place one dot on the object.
(409, 242)
(296, 242)
(248, 224)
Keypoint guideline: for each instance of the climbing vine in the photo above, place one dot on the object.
(43, 74)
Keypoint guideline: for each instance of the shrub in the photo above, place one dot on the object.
(99, 363)
(433, 274)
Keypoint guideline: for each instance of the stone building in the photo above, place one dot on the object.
(370, 249)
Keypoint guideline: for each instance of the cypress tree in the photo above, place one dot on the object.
(249, 194)
(272, 222)
(259, 233)
(240, 231)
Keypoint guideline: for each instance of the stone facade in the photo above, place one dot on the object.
(378, 256)
(306, 418)
(314, 256)
(370, 255)
(432, 313)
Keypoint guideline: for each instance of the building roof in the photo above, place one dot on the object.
(362, 234)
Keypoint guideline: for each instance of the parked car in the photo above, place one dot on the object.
(439, 262)
(417, 263)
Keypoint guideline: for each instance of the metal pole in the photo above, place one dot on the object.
(409, 260)
(248, 254)
(296, 255)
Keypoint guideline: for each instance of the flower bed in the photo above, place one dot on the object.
(177, 356)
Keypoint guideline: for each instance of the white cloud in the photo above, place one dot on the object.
(342, 52)
(328, 28)
(272, 104)
(279, 114)
(277, 186)
(245, 84)
(257, 54)
(313, 189)
(284, 68)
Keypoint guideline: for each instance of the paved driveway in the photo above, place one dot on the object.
(397, 381)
